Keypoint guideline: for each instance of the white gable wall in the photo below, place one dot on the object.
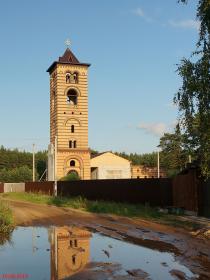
(111, 166)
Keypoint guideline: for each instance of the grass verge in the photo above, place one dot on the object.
(6, 222)
(106, 207)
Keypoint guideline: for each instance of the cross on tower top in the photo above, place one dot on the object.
(68, 43)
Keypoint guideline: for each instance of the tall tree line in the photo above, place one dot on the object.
(16, 166)
(192, 134)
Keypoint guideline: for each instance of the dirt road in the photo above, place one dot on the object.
(194, 252)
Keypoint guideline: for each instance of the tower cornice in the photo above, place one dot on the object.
(68, 58)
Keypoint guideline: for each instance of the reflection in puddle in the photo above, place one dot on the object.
(73, 253)
(70, 251)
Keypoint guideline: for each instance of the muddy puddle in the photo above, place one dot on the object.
(76, 253)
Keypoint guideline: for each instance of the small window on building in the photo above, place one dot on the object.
(75, 243)
(71, 243)
(75, 144)
(74, 259)
(72, 163)
(72, 128)
(70, 144)
(137, 177)
(72, 97)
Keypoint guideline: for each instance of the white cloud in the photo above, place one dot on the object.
(188, 24)
(156, 129)
(139, 12)
(185, 23)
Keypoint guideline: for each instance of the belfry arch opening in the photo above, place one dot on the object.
(72, 78)
(72, 97)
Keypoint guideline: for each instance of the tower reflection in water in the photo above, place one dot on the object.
(70, 251)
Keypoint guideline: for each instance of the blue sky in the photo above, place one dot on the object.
(133, 47)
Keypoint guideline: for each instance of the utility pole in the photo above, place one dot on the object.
(158, 163)
(55, 164)
(33, 162)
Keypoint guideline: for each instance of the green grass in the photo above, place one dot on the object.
(6, 222)
(122, 209)
(106, 207)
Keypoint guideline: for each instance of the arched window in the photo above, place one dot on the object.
(72, 163)
(72, 128)
(75, 78)
(68, 78)
(72, 144)
(72, 97)
(72, 78)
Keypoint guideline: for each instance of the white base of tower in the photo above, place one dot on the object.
(51, 164)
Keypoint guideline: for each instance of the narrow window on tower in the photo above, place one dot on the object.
(75, 144)
(75, 78)
(68, 78)
(72, 129)
(70, 144)
(74, 259)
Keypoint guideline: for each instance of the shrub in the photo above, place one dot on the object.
(71, 177)
(6, 222)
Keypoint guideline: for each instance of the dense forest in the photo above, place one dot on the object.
(16, 166)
